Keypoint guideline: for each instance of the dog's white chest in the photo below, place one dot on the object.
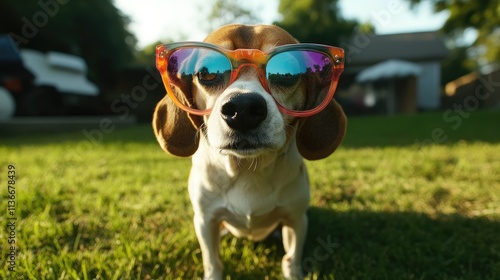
(252, 210)
(251, 197)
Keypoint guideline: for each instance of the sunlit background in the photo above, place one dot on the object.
(177, 20)
(412, 192)
(434, 49)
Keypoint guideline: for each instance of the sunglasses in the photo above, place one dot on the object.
(280, 71)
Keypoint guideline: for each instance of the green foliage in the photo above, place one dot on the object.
(456, 65)
(386, 207)
(315, 21)
(146, 56)
(228, 12)
(481, 16)
(92, 29)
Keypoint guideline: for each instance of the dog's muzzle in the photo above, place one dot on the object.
(244, 112)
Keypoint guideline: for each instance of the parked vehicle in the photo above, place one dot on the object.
(33, 83)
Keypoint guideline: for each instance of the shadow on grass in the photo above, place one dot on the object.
(423, 128)
(383, 245)
(142, 133)
(366, 131)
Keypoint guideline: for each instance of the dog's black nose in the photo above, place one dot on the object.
(244, 112)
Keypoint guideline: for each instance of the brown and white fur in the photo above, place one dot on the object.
(249, 180)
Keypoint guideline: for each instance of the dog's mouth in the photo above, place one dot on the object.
(240, 145)
(246, 147)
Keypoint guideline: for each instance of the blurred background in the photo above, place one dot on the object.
(414, 192)
(96, 57)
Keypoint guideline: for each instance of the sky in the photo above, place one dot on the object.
(161, 20)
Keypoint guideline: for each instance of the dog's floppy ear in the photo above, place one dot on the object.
(319, 135)
(175, 130)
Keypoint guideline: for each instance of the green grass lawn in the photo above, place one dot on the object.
(386, 205)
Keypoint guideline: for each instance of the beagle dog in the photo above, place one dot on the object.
(248, 175)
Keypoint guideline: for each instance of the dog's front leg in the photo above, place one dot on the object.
(294, 236)
(207, 231)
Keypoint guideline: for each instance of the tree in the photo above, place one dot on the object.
(92, 29)
(456, 65)
(230, 11)
(315, 21)
(146, 56)
(479, 15)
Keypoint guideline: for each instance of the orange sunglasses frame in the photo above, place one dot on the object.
(257, 59)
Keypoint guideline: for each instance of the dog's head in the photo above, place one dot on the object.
(245, 120)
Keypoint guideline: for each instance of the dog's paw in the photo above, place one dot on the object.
(291, 271)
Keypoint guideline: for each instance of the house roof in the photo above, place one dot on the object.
(420, 46)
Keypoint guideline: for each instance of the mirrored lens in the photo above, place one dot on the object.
(286, 69)
(206, 67)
